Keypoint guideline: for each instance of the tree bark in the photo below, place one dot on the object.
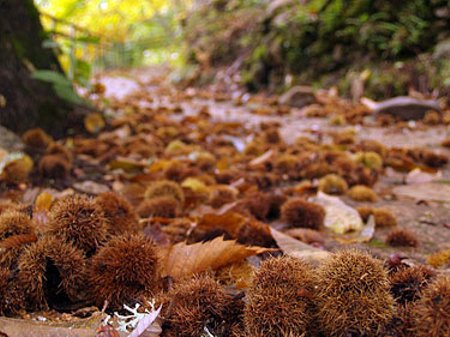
(26, 102)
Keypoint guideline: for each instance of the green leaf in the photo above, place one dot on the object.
(88, 39)
(68, 94)
(50, 76)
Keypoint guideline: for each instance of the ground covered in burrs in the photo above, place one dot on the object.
(201, 212)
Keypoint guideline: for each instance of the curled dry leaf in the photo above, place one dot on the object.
(262, 159)
(182, 260)
(298, 249)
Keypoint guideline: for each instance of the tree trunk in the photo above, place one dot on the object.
(25, 102)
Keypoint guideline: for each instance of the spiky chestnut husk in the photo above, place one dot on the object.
(402, 237)
(371, 160)
(222, 195)
(79, 220)
(165, 188)
(17, 171)
(301, 213)
(353, 295)
(362, 193)
(432, 311)
(53, 166)
(440, 258)
(37, 138)
(344, 138)
(281, 299)
(402, 323)
(446, 143)
(428, 157)
(12, 300)
(432, 118)
(52, 273)
(258, 204)
(383, 216)
(165, 207)
(61, 150)
(368, 145)
(118, 212)
(8, 205)
(12, 223)
(124, 271)
(333, 184)
(407, 283)
(255, 233)
(272, 136)
(192, 305)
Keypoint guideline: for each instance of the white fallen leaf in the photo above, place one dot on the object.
(364, 235)
(298, 249)
(148, 326)
(417, 176)
(262, 158)
(339, 217)
(433, 191)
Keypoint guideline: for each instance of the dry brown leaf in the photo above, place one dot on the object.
(184, 260)
(229, 221)
(298, 249)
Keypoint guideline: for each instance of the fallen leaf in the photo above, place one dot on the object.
(31, 328)
(262, 159)
(147, 326)
(339, 217)
(184, 260)
(94, 122)
(91, 187)
(128, 165)
(229, 221)
(417, 176)
(195, 185)
(298, 249)
(43, 202)
(364, 235)
(434, 191)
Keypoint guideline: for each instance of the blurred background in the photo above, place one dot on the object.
(385, 47)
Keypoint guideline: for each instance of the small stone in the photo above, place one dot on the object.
(407, 108)
(9, 141)
(298, 97)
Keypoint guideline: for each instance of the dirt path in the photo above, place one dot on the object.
(429, 219)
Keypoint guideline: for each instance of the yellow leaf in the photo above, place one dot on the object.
(195, 184)
(94, 122)
(43, 202)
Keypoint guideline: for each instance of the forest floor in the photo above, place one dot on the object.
(238, 158)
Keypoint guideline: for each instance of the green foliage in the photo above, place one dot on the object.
(308, 39)
(61, 85)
